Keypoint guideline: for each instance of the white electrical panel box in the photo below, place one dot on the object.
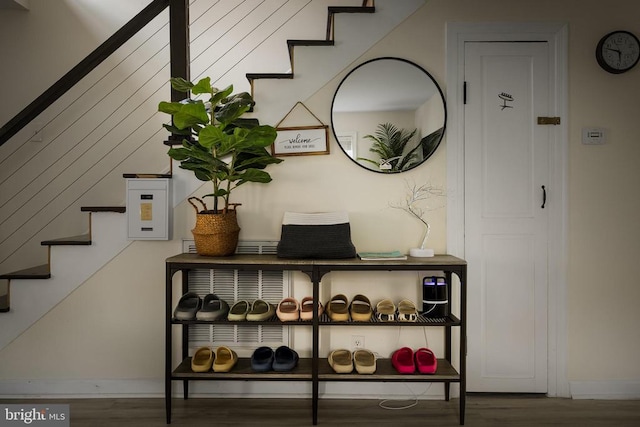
(148, 212)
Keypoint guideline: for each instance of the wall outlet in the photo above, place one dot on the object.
(357, 342)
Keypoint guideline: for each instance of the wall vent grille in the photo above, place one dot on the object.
(235, 285)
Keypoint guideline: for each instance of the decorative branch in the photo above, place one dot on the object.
(415, 204)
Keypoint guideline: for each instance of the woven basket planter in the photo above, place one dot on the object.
(215, 234)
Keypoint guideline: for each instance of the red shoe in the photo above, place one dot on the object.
(426, 361)
(402, 360)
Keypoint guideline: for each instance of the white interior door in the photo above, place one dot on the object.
(506, 166)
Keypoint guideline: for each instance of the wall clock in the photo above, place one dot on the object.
(618, 52)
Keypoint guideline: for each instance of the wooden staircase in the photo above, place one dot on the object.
(44, 271)
(367, 7)
(19, 318)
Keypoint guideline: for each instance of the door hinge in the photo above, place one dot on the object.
(548, 120)
(464, 93)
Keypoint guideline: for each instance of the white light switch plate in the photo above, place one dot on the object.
(594, 136)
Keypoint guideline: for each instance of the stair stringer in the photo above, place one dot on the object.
(70, 266)
(315, 66)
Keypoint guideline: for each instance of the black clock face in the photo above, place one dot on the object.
(618, 52)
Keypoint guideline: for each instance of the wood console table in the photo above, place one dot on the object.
(317, 369)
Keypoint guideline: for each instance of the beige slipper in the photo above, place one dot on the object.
(340, 361)
(338, 308)
(225, 359)
(360, 309)
(386, 311)
(365, 361)
(238, 311)
(202, 360)
(407, 311)
(260, 311)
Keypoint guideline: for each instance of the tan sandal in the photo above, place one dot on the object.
(225, 359)
(407, 311)
(365, 361)
(360, 309)
(386, 311)
(338, 308)
(202, 360)
(340, 361)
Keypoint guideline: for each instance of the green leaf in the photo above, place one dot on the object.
(219, 95)
(180, 84)
(254, 175)
(200, 173)
(261, 136)
(257, 161)
(211, 136)
(203, 86)
(189, 115)
(174, 130)
(179, 154)
(233, 107)
(169, 107)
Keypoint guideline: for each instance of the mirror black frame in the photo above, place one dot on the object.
(435, 137)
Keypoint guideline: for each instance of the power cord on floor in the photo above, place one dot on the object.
(414, 401)
(384, 403)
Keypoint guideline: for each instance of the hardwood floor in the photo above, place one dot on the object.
(482, 411)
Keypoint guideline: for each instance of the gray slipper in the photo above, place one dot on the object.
(239, 311)
(187, 307)
(213, 308)
(260, 311)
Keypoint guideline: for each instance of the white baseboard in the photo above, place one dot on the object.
(605, 390)
(56, 389)
(9, 389)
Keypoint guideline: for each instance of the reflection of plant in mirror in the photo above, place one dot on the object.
(389, 143)
(416, 204)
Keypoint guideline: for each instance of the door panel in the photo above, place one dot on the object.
(508, 326)
(506, 163)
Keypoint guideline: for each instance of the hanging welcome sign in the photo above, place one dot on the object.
(301, 140)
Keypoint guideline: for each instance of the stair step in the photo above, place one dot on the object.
(84, 239)
(310, 43)
(39, 272)
(116, 209)
(148, 175)
(253, 76)
(352, 9)
(332, 10)
(293, 43)
(344, 9)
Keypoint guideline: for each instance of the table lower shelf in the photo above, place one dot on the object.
(386, 372)
(324, 320)
(303, 372)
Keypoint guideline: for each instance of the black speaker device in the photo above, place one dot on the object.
(435, 302)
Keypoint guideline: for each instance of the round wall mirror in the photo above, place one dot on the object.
(388, 115)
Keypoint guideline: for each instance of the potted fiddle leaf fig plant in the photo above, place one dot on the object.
(223, 148)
